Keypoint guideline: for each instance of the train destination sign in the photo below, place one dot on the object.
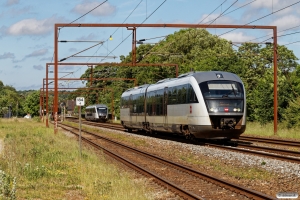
(79, 101)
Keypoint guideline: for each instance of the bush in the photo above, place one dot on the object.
(292, 114)
(7, 186)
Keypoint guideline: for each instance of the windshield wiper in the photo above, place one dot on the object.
(226, 95)
(233, 90)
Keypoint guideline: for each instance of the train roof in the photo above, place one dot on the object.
(138, 87)
(215, 75)
(200, 76)
(203, 76)
(97, 105)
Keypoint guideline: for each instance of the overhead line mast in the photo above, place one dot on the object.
(135, 26)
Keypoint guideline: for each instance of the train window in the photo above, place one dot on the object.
(134, 102)
(181, 96)
(177, 94)
(140, 103)
(172, 95)
(130, 103)
(221, 89)
(102, 110)
(153, 107)
(124, 102)
(192, 98)
(159, 102)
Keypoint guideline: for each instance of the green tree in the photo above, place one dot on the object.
(10, 99)
(291, 115)
(258, 77)
(198, 50)
(32, 103)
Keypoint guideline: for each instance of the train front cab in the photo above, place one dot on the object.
(225, 104)
(184, 109)
(102, 113)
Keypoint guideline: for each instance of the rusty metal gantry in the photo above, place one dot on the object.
(133, 27)
(108, 64)
(60, 92)
(47, 110)
(65, 79)
(91, 76)
(71, 93)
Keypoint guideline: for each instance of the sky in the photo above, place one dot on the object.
(27, 31)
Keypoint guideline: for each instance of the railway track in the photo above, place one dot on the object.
(181, 180)
(270, 141)
(239, 146)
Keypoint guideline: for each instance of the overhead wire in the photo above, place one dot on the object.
(85, 14)
(277, 32)
(76, 20)
(253, 20)
(81, 51)
(128, 16)
(118, 28)
(136, 28)
(223, 12)
(259, 18)
(148, 52)
(212, 12)
(291, 43)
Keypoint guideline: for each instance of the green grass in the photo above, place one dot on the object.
(48, 166)
(255, 129)
(119, 137)
(237, 172)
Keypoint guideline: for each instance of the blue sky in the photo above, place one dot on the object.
(27, 30)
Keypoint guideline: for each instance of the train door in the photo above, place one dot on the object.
(130, 109)
(165, 103)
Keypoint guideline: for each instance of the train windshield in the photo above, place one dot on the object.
(102, 110)
(223, 96)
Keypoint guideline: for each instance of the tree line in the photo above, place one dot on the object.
(198, 50)
(18, 103)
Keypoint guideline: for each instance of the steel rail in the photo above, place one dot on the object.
(273, 150)
(177, 190)
(258, 153)
(222, 183)
(270, 141)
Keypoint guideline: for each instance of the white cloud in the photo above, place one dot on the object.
(103, 10)
(38, 67)
(34, 26)
(73, 49)
(7, 55)
(36, 53)
(237, 37)
(17, 66)
(286, 22)
(270, 6)
(11, 2)
(91, 36)
(30, 87)
(211, 19)
(47, 59)
(264, 4)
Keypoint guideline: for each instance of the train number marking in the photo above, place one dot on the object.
(79, 101)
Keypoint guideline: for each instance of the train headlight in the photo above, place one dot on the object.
(238, 109)
(235, 109)
(213, 109)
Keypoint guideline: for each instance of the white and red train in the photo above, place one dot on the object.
(196, 105)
